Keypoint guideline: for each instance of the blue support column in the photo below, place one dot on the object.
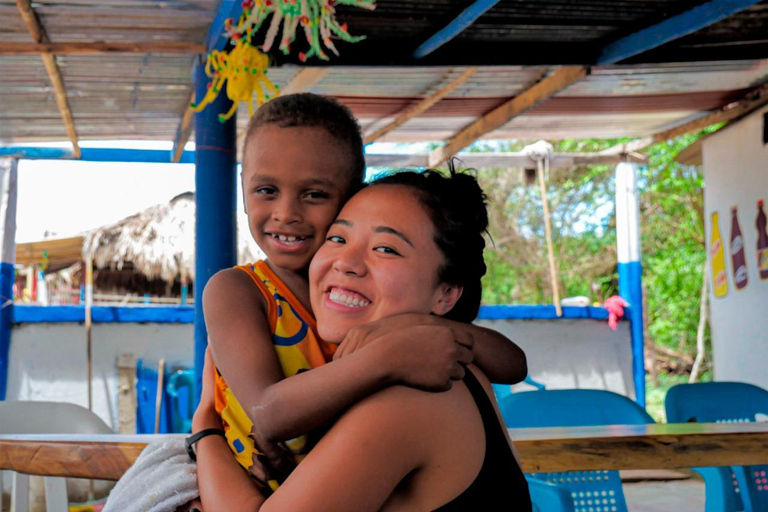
(8, 188)
(216, 200)
(630, 267)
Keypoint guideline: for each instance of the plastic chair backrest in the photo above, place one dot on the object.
(181, 390)
(743, 488)
(49, 418)
(46, 418)
(571, 408)
(591, 491)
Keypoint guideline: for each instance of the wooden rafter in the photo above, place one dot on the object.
(422, 106)
(37, 31)
(720, 116)
(757, 99)
(184, 129)
(70, 48)
(304, 80)
(533, 96)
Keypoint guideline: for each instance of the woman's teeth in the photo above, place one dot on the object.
(289, 239)
(346, 300)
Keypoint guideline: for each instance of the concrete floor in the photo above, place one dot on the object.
(665, 496)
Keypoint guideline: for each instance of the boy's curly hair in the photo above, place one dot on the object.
(310, 110)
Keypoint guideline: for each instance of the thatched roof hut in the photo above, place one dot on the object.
(158, 242)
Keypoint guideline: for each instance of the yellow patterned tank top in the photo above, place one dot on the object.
(298, 347)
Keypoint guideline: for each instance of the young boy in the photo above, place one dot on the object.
(302, 159)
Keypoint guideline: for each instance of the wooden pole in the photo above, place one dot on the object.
(548, 233)
(159, 398)
(88, 327)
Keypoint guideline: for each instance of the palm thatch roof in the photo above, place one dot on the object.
(158, 242)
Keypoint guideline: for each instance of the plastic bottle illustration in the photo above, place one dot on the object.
(717, 260)
(740, 278)
(762, 242)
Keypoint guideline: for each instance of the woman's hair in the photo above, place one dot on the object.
(308, 110)
(457, 207)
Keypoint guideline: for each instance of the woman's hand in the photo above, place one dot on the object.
(421, 351)
(205, 415)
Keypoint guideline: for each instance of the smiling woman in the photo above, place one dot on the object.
(410, 243)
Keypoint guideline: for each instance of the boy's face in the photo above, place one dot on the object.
(295, 181)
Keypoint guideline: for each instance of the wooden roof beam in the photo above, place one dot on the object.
(37, 31)
(528, 99)
(70, 48)
(755, 100)
(184, 130)
(422, 106)
(304, 80)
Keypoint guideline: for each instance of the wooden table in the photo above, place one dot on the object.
(653, 446)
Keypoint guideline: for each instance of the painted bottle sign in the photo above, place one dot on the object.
(762, 242)
(717, 260)
(739, 267)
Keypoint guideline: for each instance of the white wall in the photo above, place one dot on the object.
(736, 173)
(48, 361)
(573, 354)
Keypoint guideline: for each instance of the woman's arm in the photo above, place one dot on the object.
(224, 485)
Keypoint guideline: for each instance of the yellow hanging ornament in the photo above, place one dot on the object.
(244, 69)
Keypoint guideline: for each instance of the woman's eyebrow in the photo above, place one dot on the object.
(393, 231)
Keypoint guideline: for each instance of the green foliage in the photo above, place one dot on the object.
(583, 230)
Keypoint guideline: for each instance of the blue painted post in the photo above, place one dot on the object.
(216, 203)
(8, 187)
(630, 267)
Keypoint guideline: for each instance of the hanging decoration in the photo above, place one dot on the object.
(244, 67)
(317, 19)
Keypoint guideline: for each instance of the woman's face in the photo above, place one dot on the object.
(379, 259)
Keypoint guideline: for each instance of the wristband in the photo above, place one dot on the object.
(191, 440)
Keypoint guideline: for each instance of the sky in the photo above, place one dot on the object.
(66, 198)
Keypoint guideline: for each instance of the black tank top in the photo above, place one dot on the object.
(500, 484)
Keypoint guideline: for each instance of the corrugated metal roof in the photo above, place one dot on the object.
(143, 96)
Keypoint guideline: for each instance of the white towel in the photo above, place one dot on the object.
(162, 479)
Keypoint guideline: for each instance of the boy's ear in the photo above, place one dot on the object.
(447, 296)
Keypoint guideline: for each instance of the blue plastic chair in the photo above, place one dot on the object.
(590, 491)
(181, 390)
(729, 489)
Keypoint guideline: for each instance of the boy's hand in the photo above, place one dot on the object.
(274, 462)
(422, 351)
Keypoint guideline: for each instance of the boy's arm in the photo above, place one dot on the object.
(499, 358)
(224, 485)
(496, 355)
(242, 349)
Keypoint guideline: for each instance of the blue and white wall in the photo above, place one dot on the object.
(48, 353)
(735, 162)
